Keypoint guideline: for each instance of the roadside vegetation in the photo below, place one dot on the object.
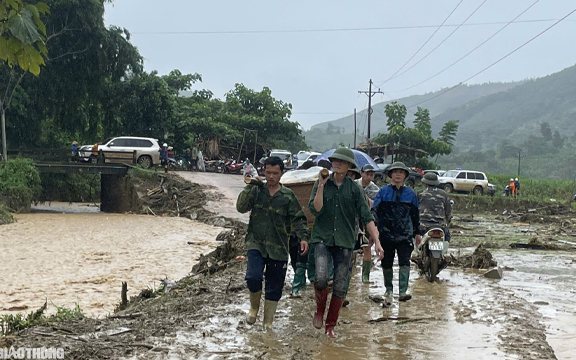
(19, 184)
(12, 323)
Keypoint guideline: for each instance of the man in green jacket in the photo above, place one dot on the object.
(336, 201)
(274, 211)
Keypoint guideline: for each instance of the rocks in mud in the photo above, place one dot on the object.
(495, 273)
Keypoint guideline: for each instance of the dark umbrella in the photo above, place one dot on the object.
(360, 157)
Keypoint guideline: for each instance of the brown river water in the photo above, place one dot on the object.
(71, 253)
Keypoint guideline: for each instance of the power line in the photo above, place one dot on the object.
(442, 42)
(496, 62)
(471, 51)
(425, 42)
(289, 31)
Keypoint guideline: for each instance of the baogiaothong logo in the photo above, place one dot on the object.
(31, 353)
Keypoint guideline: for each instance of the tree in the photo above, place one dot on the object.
(448, 132)
(422, 121)
(546, 131)
(22, 36)
(557, 140)
(396, 115)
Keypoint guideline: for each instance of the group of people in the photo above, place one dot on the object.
(348, 214)
(513, 188)
(191, 156)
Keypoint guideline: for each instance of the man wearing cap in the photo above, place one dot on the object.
(370, 191)
(434, 205)
(396, 208)
(336, 201)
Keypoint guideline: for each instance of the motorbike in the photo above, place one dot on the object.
(214, 166)
(249, 169)
(431, 252)
(233, 167)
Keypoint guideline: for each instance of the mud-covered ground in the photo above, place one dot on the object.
(526, 315)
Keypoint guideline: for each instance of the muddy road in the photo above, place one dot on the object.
(529, 314)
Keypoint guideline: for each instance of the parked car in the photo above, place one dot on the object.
(147, 150)
(464, 181)
(491, 189)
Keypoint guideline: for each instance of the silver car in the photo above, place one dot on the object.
(123, 149)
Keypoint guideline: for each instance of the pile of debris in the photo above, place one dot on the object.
(171, 195)
(555, 212)
(481, 258)
(231, 248)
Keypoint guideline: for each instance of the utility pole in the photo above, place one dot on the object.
(354, 128)
(370, 93)
(518, 162)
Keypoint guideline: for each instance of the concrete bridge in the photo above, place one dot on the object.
(115, 195)
(114, 192)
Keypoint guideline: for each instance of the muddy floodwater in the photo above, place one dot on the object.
(74, 254)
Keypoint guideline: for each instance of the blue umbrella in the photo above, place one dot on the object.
(360, 157)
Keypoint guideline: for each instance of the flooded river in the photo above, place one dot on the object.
(74, 254)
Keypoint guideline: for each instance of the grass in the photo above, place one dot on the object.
(533, 189)
(10, 324)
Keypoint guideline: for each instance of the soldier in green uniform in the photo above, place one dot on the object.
(434, 206)
(274, 211)
(336, 201)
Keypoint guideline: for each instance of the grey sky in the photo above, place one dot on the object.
(321, 72)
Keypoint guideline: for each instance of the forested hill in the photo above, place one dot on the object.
(517, 113)
(436, 106)
(324, 135)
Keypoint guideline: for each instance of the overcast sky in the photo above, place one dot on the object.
(320, 72)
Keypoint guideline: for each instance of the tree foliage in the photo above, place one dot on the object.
(396, 114)
(23, 34)
(546, 131)
(419, 137)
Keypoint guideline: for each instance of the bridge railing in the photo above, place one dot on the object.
(65, 155)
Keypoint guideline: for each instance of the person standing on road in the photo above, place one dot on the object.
(164, 156)
(336, 201)
(396, 208)
(74, 150)
(274, 211)
(434, 206)
(370, 191)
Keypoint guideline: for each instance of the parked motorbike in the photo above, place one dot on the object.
(431, 252)
(214, 166)
(233, 167)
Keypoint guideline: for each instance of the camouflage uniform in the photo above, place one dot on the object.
(371, 190)
(267, 237)
(435, 209)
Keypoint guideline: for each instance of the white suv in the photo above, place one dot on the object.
(464, 181)
(118, 149)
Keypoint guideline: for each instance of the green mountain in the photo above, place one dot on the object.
(517, 113)
(326, 135)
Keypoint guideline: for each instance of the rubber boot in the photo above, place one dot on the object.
(269, 312)
(366, 266)
(332, 317)
(347, 302)
(311, 264)
(388, 275)
(321, 298)
(254, 306)
(404, 276)
(299, 282)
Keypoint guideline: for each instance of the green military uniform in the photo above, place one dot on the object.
(271, 220)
